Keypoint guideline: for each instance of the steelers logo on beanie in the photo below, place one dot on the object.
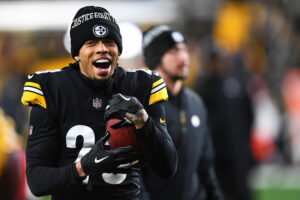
(92, 22)
(157, 40)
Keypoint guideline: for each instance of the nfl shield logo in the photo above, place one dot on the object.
(97, 103)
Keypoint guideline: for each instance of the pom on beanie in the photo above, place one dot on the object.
(92, 22)
(157, 40)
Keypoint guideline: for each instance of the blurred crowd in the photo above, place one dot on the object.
(244, 64)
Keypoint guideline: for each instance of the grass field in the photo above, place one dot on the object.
(276, 182)
(276, 194)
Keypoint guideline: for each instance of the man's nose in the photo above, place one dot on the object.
(101, 47)
(183, 54)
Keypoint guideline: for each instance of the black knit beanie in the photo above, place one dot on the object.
(93, 22)
(156, 41)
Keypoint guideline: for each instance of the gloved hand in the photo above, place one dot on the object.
(126, 108)
(99, 160)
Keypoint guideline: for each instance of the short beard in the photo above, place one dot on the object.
(176, 78)
(172, 77)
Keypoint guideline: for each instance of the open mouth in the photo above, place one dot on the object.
(102, 63)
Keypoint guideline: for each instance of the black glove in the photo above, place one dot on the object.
(99, 160)
(119, 104)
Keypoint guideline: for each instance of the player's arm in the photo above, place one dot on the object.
(157, 145)
(207, 172)
(43, 175)
(150, 128)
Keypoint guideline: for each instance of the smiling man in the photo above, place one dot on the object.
(101, 66)
(67, 153)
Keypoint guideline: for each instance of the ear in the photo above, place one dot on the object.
(77, 58)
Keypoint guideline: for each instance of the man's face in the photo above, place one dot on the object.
(98, 58)
(175, 61)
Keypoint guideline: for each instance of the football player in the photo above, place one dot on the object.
(67, 152)
(165, 50)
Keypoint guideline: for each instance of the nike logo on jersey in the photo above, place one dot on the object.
(125, 98)
(161, 120)
(100, 160)
(30, 76)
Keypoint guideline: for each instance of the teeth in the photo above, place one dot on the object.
(102, 61)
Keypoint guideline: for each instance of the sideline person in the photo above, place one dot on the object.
(165, 51)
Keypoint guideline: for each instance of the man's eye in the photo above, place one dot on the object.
(109, 42)
(89, 43)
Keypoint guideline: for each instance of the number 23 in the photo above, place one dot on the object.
(88, 142)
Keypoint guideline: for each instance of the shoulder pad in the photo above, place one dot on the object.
(158, 91)
(33, 92)
(33, 95)
(158, 86)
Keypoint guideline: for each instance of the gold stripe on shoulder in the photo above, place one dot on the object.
(161, 95)
(156, 83)
(31, 98)
(32, 84)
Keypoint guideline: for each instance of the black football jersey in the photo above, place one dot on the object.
(67, 119)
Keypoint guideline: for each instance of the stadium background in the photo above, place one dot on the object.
(264, 32)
